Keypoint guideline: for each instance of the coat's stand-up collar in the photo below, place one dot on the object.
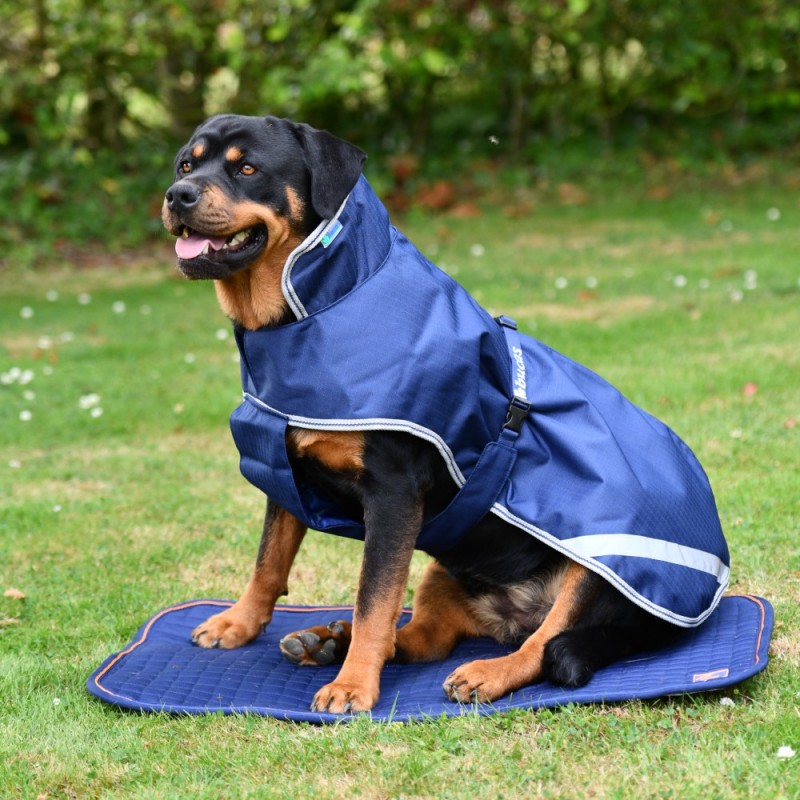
(339, 255)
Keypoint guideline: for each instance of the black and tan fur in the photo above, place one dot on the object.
(278, 180)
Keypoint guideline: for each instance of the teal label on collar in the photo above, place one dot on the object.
(332, 232)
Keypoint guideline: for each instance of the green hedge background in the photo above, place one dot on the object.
(96, 94)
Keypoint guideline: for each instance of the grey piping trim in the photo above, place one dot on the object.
(309, 243)
(372, 424)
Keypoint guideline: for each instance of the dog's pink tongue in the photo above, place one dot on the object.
(193, 245)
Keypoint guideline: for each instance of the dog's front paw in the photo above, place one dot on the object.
(341, 697)
(481, 681)
(229, 629)
(317, 646)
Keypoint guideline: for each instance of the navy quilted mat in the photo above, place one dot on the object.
(160, 670)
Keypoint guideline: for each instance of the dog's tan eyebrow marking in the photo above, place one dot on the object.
(199, 149)
(233, 154)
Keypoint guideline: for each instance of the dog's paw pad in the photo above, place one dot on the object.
(318, 646)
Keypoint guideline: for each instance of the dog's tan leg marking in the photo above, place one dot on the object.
(342, 451)
(384, 574)
(442, 617)
(357, 687)
(486, 680)
(248, 617)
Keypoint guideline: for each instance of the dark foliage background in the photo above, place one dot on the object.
(96, 94)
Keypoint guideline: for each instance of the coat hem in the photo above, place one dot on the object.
(608, 574)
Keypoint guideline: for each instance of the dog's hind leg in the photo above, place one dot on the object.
(247, 618)
(486, 680)
(572, 657)
(442, 617)
(319, 645)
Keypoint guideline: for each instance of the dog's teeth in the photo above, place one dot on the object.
(240, 238)
(185, 233)
(204, 251)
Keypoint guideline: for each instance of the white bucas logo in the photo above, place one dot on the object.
(520, 384)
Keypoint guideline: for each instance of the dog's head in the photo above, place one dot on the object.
(246, 186)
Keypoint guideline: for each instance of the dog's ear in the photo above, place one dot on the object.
(334, 165)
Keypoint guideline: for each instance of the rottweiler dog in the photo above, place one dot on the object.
(246, 192)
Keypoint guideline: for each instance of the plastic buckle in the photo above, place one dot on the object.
(518, 411)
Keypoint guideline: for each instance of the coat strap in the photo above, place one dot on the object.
(473, 501)
(519, 407)
(492, 470)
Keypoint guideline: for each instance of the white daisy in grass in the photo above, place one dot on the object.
(89, 401)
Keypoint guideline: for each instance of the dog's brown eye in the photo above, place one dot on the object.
(186, 166)
(247, 169)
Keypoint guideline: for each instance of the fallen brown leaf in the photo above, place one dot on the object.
(570, 194)
(749, 389)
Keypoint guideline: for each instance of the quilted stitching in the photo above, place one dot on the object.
(160, 670)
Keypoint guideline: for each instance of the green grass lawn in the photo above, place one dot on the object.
(120, 493)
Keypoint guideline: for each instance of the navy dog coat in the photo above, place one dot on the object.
(383, 340)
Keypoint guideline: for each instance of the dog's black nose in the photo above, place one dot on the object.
(182, 195)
